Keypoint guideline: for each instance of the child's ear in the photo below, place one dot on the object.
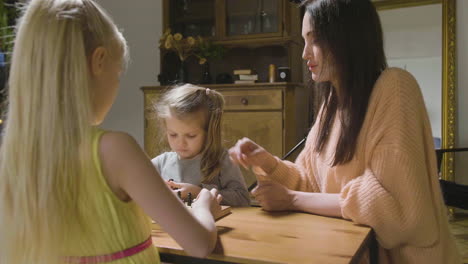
(98, 59)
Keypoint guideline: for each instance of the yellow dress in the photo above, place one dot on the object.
(108, 225)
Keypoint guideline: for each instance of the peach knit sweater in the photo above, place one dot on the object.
(391, 184)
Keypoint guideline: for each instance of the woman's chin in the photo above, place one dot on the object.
(315, 77)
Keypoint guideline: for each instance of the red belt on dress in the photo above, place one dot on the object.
(113, 256)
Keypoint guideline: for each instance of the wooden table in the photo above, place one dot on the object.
(251, 235)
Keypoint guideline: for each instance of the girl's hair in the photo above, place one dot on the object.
(187, 99)
(46, 143)
(349, 34)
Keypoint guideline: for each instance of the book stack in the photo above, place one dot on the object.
(245, 76)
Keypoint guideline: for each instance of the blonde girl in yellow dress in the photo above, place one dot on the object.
(70, 192)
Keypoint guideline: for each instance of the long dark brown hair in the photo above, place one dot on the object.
(349, 34)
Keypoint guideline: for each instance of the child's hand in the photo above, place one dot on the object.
(168, 183)
(210, 199)
(184, 188)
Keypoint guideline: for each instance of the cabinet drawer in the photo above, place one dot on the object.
(253, 100)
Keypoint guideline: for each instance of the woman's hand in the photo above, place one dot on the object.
(184, 188)
(273, 196)
(248, 153)
(209, 199)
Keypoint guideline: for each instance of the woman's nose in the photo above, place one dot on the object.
(306, 54)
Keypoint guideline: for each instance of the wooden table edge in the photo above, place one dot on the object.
(369, 243)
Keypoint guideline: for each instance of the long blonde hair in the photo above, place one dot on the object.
(46, 143)
(188, 99)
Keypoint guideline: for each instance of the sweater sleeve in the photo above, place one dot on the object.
(231, 185)
(396, 193)
(393, 197)
(298, 175)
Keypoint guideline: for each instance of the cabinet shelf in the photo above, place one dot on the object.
(241, 86)
(217, 20)
(260, 42)
(246, 14)
(188, 19)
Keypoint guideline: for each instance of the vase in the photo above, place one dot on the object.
(206, 76)
(181, 76)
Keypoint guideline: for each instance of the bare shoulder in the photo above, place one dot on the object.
(115, 141)
(119, 149)
(119, 154)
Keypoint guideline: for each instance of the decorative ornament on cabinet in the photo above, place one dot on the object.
(184, 47)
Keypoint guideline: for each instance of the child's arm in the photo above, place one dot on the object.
(132, 176)
(231, 184)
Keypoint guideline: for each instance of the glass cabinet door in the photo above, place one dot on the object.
(192, 17)
(253, 17)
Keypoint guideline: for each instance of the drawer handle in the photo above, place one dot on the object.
(244, 101)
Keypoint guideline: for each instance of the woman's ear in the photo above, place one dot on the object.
(98, 59)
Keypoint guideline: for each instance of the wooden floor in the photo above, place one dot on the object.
(459, 226)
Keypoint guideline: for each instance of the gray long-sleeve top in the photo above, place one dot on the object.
(229, 182)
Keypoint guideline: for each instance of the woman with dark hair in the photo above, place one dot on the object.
(369, 157)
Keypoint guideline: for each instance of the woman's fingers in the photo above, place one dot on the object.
(214, 192)
(246, 153)
(261, 188)
(235, 154)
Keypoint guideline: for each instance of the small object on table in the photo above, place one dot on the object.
(284, 74)
(189, 199)
(173, 188)
(272, 73)
(179, 194)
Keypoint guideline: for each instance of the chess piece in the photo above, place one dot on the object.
(189, 199)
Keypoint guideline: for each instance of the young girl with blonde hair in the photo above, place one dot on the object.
(191, 118)
(70, 192)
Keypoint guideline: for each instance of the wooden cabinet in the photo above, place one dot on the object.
(232, 19)
(190, 18)
(252, 17)
(272, 114)
(255, 33)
